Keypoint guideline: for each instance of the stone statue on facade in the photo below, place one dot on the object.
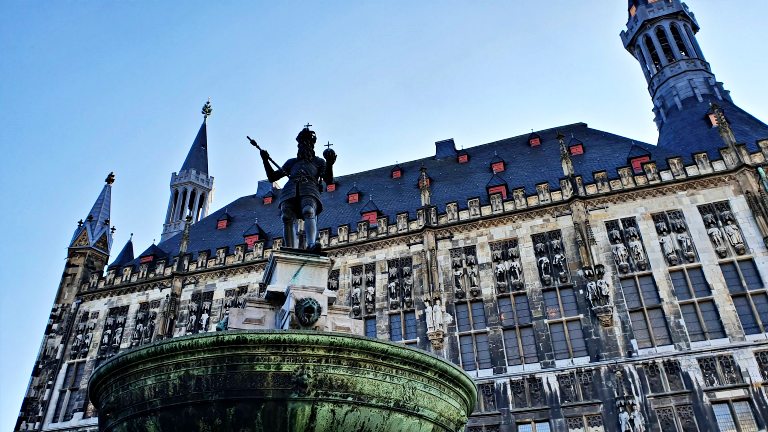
(300, 197)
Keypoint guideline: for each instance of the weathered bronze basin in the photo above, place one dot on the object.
(270, 381)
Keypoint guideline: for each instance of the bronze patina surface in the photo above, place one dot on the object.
(259, 381)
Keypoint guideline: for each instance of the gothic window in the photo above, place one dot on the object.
(370, 327)
(527, 392)
(749, 294)
(466, 272)
(734, 416)
(677, 419)
(665, 378)
(719, 370)
(679, 41)
(651, 49)
(473, 337)
(508, 271)
(519, 339)
(666, 48)
(71, 397)
(644, 306)
(402, 326)
(400, 283)
(697, 305)
(585, 378)
(486, 396)
(533, 426)
(762, 363)
(589, 423)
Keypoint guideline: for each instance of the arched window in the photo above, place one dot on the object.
(651, 48)
(183, 204)
(643, 62)
(191, 204)
(679, 41)
(200, 207)
(695, 44)
(174, 203)
(661, 35)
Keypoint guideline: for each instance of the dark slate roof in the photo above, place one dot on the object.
(688, 131)
(369, 207)
(154, 250)
(451, 181)
(125, 256)
(197, 158)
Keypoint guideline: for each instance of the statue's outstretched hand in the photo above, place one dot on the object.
(330, 156)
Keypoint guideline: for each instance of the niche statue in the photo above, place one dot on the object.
(300, 197)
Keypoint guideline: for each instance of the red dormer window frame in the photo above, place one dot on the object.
(353, 197)
(222, 224)
(146, 259)
(331, 187)
(534, 141)
(267, 200)
(500, 189)
(371, 217)
(576, 149)
(250, 240)
(463, 158)
(397, 173)
(497, 167)
(637, 163)
(712, 119)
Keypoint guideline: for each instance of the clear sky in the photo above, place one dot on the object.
(93, 87)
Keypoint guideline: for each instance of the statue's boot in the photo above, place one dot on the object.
(310, 228)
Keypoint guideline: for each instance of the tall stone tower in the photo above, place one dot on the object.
(661, 35)
(191, 187)
(87, 256)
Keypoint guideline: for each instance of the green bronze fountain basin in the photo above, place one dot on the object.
(271, 381)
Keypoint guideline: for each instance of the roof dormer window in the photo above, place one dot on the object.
(637, 163)
(396, 173)
(497, 167)
(223, 221)
(250, 240)
(462, 157)
(331, 187)
(501, 189)
(353, 197)
(268, 198)
(371, 217)
(534, 140)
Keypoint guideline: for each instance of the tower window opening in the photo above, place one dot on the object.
(183, 205)
(651, 48)
(679, 41)
(199, 212)
(191, 205)
(666, 48)
(174, 203)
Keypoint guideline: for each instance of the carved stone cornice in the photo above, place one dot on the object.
(406, 239)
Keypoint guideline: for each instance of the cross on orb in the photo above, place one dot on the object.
(328, 146)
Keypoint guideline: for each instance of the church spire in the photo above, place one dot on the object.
(94, 231)
(191, 187)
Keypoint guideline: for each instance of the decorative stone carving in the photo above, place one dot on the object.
(202, 259)
(465, 272)
(675, 241)
(382, 226)
(686, 417)
(333, 281)
(508, 271)
(488, 393)
(112, 333)
(362, 230)
(343, 234)
(81, 342)
(474, 207)
(519, 196)
(307, 311)
(599, 294)
(550, 257)
(400, 283)
(722, 228)
(358, 291)
(452, 212)
(421, 218)
(402, 222)
(437, 320)
(496, 203)
(144, 325)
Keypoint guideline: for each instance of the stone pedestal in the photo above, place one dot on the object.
(294, 295)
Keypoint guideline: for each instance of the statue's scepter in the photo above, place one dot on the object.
(255, 144)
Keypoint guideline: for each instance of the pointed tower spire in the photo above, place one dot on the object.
(191, 187)
(125, 256)
(94, 231)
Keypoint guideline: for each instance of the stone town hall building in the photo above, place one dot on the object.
(586, 281)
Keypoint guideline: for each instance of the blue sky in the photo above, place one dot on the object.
(93, 87)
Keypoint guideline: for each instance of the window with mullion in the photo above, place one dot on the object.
(749, 294)
(694, 295)
(70, 396)
(644, 305)
(474, 346)
(567, 339)
(734, 416)
(519, 339)
(402, 326)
